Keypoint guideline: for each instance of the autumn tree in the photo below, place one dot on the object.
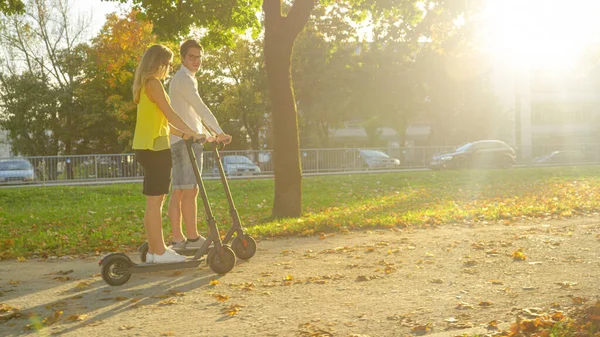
(111, 61)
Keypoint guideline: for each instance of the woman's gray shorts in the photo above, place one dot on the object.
(183, 172)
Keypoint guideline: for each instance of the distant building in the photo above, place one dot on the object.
(353, 134)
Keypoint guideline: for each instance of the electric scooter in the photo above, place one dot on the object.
(243, 245)
(117, 268)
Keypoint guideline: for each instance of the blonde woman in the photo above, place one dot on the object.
(152, 145)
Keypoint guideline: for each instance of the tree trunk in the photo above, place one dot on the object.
(280, 34)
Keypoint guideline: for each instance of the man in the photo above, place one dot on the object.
(183, 91)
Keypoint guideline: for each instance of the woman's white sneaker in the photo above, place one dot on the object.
(168, 257)
(149, 258)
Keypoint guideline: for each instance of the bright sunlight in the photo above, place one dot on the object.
(551, 34)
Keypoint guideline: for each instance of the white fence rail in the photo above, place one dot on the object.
(115, 167)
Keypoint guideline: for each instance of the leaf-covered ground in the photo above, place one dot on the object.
(463, 279)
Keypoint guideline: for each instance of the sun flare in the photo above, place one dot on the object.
(551, 34)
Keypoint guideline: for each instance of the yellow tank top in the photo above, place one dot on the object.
(151, 126)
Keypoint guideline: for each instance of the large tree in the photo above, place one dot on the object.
(282, 25)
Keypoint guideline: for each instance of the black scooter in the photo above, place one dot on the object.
(117, 268)
(243, 245)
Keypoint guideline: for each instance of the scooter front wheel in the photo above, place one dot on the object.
(221, 262)
(244, 247)
(114, 270)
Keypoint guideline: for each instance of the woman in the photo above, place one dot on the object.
(152, 146)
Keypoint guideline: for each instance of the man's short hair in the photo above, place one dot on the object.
(189, 44)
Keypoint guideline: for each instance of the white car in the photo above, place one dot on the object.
(238, 166)
(373, 159)
(13, 170)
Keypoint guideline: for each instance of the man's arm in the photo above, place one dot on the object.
(190, 94)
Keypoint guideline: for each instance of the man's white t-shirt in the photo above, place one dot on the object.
(185, 100)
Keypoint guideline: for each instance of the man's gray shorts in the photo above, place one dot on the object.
(183, 172)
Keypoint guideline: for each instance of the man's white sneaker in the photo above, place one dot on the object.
(149, 258)
(168, 257)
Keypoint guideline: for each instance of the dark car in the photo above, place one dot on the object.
(561, 157)
(479, 154)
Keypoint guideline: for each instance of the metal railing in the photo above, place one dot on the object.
(124, 167)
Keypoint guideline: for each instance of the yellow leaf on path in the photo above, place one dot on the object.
(485, 303)
(221, 298)
(77, 317)
(21, 259)
(126, 327)
(232, 309)
(169, 301)
(464, 306)
(288, 278)
(518, 255)
(214, 282)
(53, 318)
(82, 285)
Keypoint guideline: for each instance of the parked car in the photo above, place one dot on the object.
(561, 157)
(372, 159)
(237, 165)
(479, 154)
(13, 170)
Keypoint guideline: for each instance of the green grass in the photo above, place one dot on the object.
(63, 220)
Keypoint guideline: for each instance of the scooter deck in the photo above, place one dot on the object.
(152, 267)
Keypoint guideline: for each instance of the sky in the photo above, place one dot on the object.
(97, 10)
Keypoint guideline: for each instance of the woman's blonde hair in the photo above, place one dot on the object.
(154, 64)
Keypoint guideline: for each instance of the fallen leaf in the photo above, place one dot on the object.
(518, 255)
(169, 301)
(232, 309)
(77, 317)
(221, 298)
(463, 306)
(53, 318)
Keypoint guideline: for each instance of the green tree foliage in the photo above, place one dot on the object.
(10, 7)
(29, 106)
(233, 81)
(222, 21)
(325, 62)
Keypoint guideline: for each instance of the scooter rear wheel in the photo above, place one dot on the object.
(221, 262)
(114, 270)
(244, 247)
